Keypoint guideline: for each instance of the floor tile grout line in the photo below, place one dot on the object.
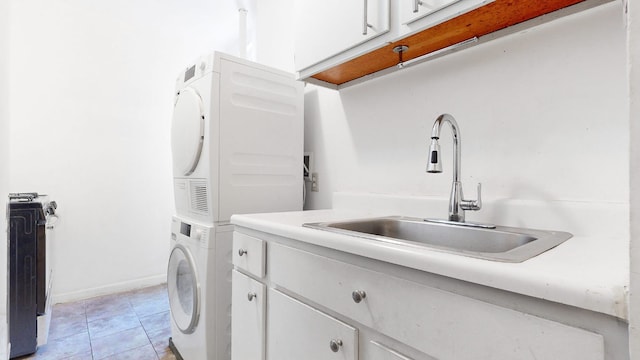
(139, 325)
(151, 342)
(126, 351)
(86, 319)
(128, 297)
(147, 334)
(148, 337)
(143, 329)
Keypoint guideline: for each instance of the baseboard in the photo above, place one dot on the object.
(109, 289)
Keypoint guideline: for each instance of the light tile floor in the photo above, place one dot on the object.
(132, 325)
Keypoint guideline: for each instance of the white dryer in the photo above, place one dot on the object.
(197, 275)
(237, 136)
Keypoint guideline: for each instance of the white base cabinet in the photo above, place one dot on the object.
(248, 316)
(431, 320)
(298, 331)
(323, 304)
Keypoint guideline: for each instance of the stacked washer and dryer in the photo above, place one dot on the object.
(237, 137)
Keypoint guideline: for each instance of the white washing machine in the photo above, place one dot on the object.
(199, 272)
(237, 139)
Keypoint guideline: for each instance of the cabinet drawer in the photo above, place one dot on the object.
(249, 254)
(441, 324)
(297, 331)
(248, 315)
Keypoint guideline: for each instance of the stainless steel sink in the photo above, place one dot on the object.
(499, 243)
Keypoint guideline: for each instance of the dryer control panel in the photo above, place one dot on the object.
(196, 70)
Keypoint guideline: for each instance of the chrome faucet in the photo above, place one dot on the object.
(457, 204)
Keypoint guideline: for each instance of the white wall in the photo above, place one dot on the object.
(633, 43)
(4, 168)
(4, 150)
(92, 88)
(543, 116)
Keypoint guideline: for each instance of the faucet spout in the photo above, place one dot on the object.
(457, 204)
(435, 136)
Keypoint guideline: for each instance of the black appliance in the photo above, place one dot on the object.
(27, 269)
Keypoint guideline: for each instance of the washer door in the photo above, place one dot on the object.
(187, 132)
(184, 289)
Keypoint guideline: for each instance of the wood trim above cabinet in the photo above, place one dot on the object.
(485, 20)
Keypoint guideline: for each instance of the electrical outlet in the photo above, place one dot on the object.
(307, 160)
(314, 182)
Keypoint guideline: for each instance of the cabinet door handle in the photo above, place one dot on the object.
(251, 296)
(358, 295)
(416, 3)
(335, 345)
(365, 21)
(242, 252)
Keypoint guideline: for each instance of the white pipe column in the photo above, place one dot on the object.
(242, 21)
(246, 30)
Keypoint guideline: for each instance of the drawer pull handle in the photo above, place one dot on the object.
(251, 296)
(242, 252)
(358, 295)
(335, 345)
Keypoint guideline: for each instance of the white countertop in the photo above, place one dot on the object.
(586, 272)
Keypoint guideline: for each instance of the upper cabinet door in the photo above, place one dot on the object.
(411, 10)
(328, 27)
(423, 14)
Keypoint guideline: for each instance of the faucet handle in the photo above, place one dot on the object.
(473, 204)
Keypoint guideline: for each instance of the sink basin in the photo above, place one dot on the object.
(499, 243)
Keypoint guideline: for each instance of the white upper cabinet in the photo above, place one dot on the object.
(328, 27)
(417, 15)
(331, 32)
(411, 10)
(340, 43)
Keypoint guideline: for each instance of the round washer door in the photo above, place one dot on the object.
(184, 289)
(187, 132)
